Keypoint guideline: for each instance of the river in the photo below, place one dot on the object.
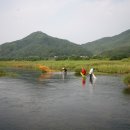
(54, 101)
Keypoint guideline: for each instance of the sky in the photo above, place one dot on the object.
(79, 21)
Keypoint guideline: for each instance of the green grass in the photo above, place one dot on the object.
(2, 73)
(127, 82)
(126, 90)
(9, 74)
(102, 66)
(127, 79)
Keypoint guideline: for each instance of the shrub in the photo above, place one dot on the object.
(127, 79)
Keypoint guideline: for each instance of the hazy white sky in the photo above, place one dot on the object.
(78, 21)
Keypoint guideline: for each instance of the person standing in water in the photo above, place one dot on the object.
(83, 74)
(64, 70)
(83, 71)
(64, 74)
(91, 75)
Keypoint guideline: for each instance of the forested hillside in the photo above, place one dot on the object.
(41, 45)
(111, 46)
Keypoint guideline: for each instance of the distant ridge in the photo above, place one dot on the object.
(111, 46)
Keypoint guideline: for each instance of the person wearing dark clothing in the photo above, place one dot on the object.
(64, 69)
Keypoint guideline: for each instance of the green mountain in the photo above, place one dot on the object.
(111, 46)
(39, 44)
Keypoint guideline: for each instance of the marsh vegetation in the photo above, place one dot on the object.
(121, 67)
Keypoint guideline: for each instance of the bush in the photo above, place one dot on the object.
(126, 90)
(127, 79)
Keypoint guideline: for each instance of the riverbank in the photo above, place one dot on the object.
(127, 79)
(121, 67)
(102, 66)
(127, 82)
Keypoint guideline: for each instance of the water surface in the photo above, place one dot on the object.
(56, 102)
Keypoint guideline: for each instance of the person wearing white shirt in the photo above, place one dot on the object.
(91, 75)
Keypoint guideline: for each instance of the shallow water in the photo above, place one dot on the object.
(56, 102)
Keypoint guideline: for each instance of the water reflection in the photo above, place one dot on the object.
(64, 75)
(53, 76)
(45, 76)
(92, 79)
(91, 82)
(92, 86)
(83, 81)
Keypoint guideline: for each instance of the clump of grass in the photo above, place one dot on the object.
(2, 73)
(126, 90)
(9, 74)
(12, 74)
(127, 79)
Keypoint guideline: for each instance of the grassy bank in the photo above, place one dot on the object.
(127, 82)
(9, 74)
(127, 79)
(101, 66)
(2, 73)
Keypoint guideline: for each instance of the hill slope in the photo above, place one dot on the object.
(109, 46)
(41, 45)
